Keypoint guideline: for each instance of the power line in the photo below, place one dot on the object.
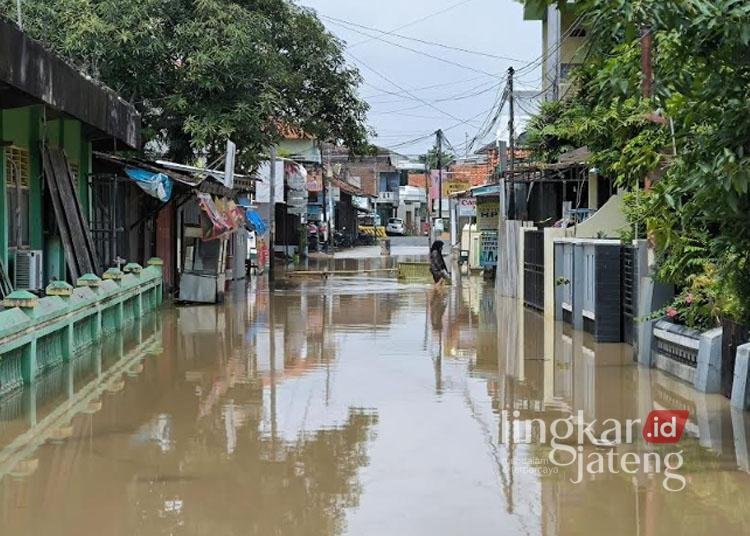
(381, 75)
(417, 21)
(423, 41)
(482, 89)
(430, 134)
(422, 53)
(433, 86)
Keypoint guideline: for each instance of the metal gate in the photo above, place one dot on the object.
(108, 196)
(629, 292)
(533, 268)
(734, 335)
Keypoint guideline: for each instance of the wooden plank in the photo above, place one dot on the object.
(58, 209)
(85, 255)
(68, 202)
(5, 285)
(93, 257)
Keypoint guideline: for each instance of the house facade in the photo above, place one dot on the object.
(50, 113)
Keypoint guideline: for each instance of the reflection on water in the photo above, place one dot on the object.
(357, 405)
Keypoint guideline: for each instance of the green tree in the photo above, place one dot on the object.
(692, 136)
(202, 71)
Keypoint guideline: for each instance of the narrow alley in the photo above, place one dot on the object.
(357, 405)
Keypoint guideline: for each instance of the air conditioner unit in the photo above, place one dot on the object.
(28, 270)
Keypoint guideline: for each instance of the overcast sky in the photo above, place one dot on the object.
(466, 92)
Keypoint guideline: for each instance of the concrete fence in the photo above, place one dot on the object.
(588, 286)
(37, 334)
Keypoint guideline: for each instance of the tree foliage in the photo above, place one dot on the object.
(431, 158)
(201, 71)
(698, 210)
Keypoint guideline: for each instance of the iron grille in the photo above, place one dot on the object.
(629, 293)
(533, 285)
(681, 354)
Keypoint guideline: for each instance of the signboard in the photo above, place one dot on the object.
(488, 250)
(296, 176)
(335, 193)
(297, 198)
(229, 164)
(361, 202)
(263, 187)
(467, 207)
(298, 211)
(315, 181)
(454, 186)
(488, 213)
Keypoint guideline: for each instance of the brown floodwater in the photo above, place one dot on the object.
(362, 406)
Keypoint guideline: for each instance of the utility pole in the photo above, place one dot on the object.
(512, 145)
(324, 219)
(427, 184)
(272, 216)
(439, 134)
(19, 14)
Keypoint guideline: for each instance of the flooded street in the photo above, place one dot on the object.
(356, 405)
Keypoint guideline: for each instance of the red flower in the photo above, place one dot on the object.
(671, 312)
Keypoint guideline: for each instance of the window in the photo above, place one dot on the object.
(17, 185)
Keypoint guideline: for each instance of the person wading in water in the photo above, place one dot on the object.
(438, 269)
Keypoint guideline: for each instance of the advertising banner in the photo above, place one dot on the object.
(488, 213)
(467, 208)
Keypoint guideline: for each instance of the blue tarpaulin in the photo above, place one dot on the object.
(157, 185)
(255, 221)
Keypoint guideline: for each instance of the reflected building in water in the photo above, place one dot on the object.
(170, 427)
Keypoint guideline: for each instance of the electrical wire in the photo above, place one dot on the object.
(381, 75)
(474, 92)
(417, 21)
(433, 86)
(423, 41)
(422, 53)
(430, 134)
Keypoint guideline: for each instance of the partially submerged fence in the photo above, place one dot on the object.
(533, 268)
(588, 286)
(37, 334)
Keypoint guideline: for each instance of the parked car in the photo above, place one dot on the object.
(395, 227)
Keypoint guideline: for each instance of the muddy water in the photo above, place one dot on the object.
(356, 406)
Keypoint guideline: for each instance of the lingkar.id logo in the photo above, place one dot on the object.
(568, 436)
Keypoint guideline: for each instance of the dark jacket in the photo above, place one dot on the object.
(437, 262)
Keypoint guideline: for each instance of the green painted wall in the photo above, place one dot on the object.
(25, 127)
(36, 209)
(3, 206)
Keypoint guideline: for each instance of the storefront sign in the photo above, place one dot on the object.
(488, 250)
(455, 186)
(315, 181)
(263, 187)
(467, 207)
(488, 213)
(335, 193)
(296, 175)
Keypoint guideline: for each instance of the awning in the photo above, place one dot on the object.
(493, 189)
(156, 185)
(225, 216)
(255, 221)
